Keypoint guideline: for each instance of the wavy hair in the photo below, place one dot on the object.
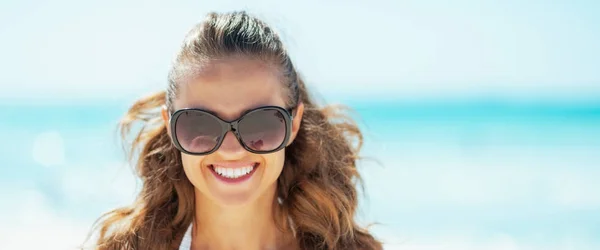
(318, 184)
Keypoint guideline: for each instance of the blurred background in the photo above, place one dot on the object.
(483, 115)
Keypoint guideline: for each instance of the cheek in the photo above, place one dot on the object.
(191, 166)
(275, 163)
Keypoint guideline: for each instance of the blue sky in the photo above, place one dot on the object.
(406, 49)
(483, 113)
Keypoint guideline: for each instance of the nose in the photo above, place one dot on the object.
(231, 149)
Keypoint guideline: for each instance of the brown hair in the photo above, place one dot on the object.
(318, 185)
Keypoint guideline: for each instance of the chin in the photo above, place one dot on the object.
(233, 200)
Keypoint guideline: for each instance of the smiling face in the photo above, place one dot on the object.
(231, 175)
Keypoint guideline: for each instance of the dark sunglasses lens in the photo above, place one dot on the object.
(263, 130)
(197, 131)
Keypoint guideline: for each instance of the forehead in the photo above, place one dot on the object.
(230, 87)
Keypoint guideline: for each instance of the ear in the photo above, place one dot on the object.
(296, 122)
(165, 116)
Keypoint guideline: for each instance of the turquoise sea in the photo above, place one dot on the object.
(462, 174)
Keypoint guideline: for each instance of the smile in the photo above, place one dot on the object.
(231, 174)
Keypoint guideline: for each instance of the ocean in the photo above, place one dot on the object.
(444, 174)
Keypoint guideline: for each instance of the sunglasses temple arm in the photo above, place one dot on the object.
(293, 112)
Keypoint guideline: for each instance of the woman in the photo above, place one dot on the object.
(236, 155)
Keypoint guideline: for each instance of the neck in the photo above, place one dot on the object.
(251, 226)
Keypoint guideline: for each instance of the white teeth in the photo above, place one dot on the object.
(233, 172)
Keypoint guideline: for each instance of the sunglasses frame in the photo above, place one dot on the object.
(233, 126)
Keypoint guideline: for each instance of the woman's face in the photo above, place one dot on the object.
(228, 88)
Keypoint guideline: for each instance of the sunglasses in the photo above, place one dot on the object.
(262, 130)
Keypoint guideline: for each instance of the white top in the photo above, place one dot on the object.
(186, 243)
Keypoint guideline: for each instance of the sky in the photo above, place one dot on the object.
(483, 113)
(407, 50)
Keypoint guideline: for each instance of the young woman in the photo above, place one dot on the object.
(236, 155)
